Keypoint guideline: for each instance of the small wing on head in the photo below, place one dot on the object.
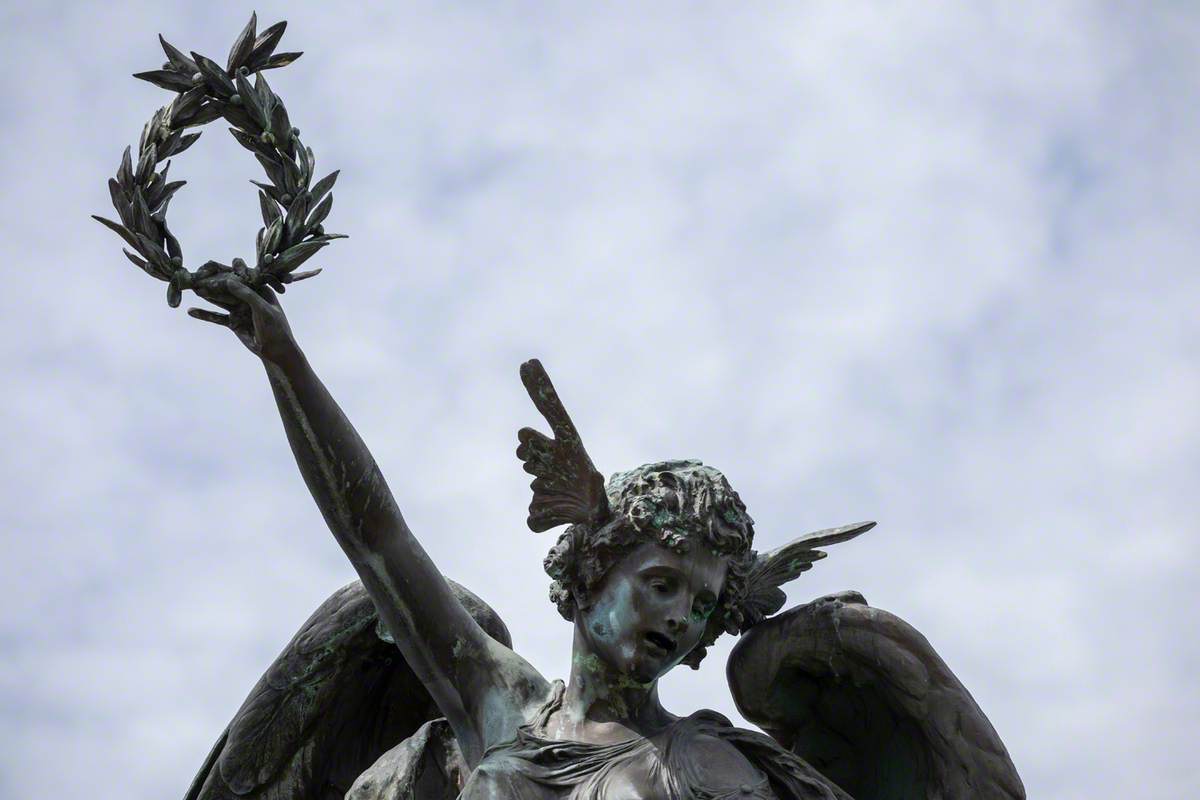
(567, 489)
(763, 597)
(336, 699)
(862, 696)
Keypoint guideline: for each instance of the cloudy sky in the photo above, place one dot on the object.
(929, 264)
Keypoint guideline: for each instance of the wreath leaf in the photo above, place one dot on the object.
(265, 44)
(292, 277)
(251, 101)
(322, 211)
(280, 124)
(141, 264)
(324, 185)
(273, 169)
(271, 237)
(297, 213)
(270, 211)
(207, 113)
(183, 106)
(178, 145)
(120, 200)
(125, 171)
(178, 60)
(121, 231)
(253, 144)
(292, 177)
(296, 255)
(240, 52)
(281, 60)
(166, 79)
(142, 221)
(308, 163)
(145, 167)
(272, 191)
(168, 191)
(173, 248)
(214, 76)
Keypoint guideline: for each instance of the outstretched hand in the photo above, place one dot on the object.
(257, 318)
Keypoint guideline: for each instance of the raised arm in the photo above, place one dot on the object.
(482, 687)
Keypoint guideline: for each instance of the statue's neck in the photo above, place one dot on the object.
(601, 704)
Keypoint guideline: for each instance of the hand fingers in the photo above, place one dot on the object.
(209, 316)
(268, 293)
(247, 295)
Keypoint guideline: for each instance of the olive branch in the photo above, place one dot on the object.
(293, 209)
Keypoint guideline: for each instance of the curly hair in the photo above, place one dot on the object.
(676, 504)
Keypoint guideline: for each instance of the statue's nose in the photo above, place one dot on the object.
(676, 624)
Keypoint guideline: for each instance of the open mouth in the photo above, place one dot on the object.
(661, 642)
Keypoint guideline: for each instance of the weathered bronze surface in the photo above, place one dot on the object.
(405, 685)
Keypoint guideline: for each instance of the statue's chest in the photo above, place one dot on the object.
(636, 778)
(577, 773)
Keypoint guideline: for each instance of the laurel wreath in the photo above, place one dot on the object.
(293, 209)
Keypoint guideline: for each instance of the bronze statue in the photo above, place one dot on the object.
(406, 686)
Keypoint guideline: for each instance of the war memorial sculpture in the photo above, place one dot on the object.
(405, 685)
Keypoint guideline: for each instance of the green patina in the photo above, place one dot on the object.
(626, 682)
(461, 649)
(588, 661)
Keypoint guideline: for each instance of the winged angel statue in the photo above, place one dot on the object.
(405, 685)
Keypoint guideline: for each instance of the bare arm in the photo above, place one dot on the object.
(481, 686)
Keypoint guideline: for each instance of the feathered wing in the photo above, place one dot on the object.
(763, 597)
(336, 699)
(567, 488)
(863, 697)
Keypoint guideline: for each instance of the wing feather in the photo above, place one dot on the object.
(763, 597)
(338, 696)
(567, 488)
(862, 696)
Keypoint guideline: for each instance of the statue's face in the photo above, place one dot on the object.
(651, 609)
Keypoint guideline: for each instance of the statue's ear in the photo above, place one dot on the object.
(567, 489)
